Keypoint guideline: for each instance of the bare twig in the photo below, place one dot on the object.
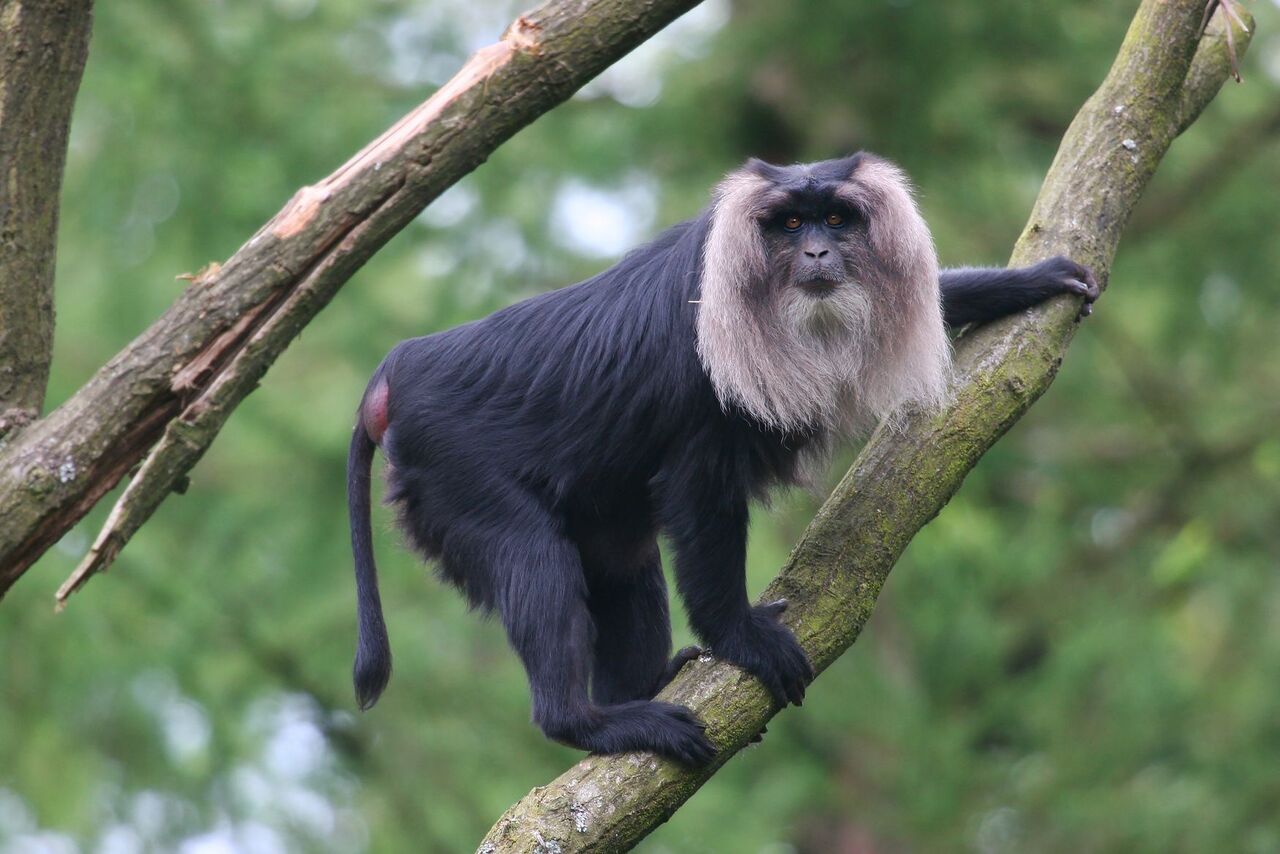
(1231, 11)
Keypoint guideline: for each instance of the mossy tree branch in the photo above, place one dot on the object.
(43, 45)
(167, 394)
(904, 477)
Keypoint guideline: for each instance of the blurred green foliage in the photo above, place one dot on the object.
(1081, 654)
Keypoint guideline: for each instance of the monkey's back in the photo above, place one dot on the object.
(573, 395)
(548, 383)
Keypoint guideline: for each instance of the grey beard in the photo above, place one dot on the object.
(828, 320)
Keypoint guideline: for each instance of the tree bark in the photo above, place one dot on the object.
(43, 45)
(903, 477)
(173, 387)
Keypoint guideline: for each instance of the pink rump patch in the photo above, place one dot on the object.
(374, 412)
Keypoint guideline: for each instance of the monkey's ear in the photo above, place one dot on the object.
(763, 169)
(846, 166)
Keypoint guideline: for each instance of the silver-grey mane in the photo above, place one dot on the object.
(842, 363)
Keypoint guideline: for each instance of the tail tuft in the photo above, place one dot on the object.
(373, 667)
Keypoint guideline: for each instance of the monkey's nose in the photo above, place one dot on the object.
(821, 253)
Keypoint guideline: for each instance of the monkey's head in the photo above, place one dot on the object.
(820, 303)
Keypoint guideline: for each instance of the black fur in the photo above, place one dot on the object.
(536, 454)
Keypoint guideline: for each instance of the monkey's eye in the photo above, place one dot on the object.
(835, 220)
(791, 223)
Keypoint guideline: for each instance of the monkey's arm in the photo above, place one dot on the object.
(980, 294)
(709, 532)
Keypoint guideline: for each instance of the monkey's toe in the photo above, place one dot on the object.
(682, 657)
(686, 654)
(665, 729)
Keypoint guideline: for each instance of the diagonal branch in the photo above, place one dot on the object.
(176, 383)
(904, 477)
(43, 45)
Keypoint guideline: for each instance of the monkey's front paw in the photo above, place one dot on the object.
(766, 649)
(1061, 275)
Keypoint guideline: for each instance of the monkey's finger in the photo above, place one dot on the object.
(791, 684)
(802, 684)
(1090, 293)
(782, 689)
(777, 607)
(1086, 290)
(696, 752)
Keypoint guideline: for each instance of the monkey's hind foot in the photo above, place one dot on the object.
(663, 728)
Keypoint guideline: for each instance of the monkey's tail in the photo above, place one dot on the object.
(373, 648)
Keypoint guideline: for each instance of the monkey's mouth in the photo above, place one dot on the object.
(821, 288)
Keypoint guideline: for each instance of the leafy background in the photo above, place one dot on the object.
(1081, 654)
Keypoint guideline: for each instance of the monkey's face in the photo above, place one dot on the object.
(821, 273)
(819, 299)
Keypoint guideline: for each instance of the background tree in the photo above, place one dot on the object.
(1075, 653)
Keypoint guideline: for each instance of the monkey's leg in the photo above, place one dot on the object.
(544, 608)
(633, 636)
(980, 294)
(633, 633)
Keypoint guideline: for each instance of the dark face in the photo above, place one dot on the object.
(816, 240)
